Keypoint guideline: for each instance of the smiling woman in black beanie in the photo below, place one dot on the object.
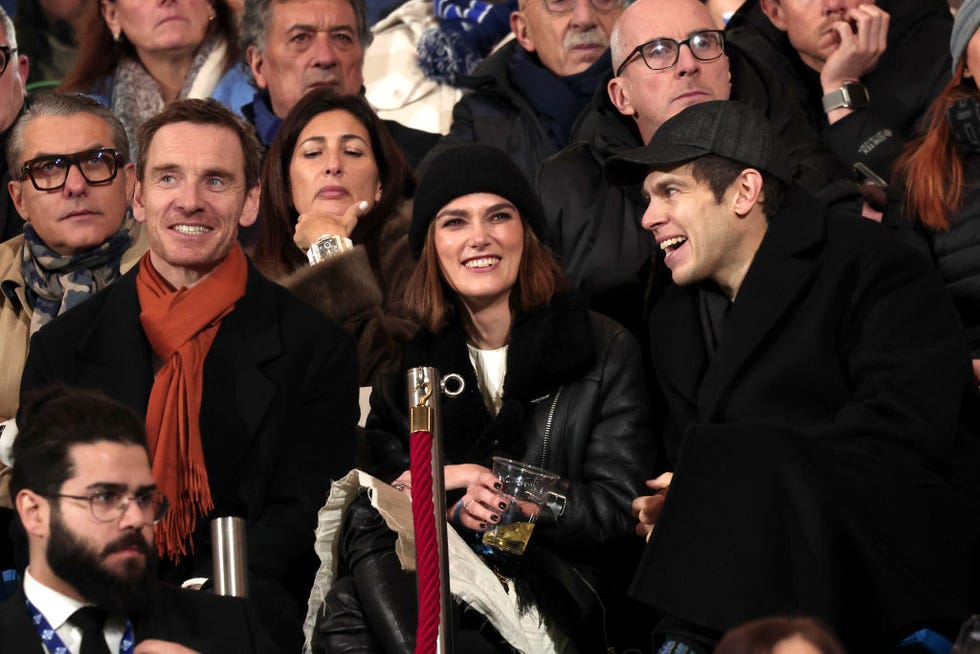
(545, 381)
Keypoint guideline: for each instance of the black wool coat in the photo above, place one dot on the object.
(825, 456)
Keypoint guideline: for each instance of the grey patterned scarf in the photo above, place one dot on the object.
(55, 283)
(136, 95)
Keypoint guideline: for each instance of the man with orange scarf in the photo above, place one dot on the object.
(250, 396)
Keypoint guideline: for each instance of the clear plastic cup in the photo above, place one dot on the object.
(524, 489)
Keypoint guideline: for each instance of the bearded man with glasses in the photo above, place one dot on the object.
(88, 502)
(527, 98)
(72, 184)
(666, 55)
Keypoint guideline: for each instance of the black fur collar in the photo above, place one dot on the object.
(548, 347)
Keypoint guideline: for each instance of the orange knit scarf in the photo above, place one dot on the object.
(180, 326)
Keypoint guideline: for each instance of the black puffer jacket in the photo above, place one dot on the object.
(594, 226)
(909, 75)
(497, 113)
(574, 402)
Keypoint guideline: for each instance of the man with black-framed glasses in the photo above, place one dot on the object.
(72, 183)
(88, 503)
(13, 78)
(666, 56)
(527, 97)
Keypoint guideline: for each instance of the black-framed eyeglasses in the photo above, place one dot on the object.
(110, 505)
(662, 53)
(6, 54)
(566, 6)
(49, 173)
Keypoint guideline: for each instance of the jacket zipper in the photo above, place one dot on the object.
(547, 426)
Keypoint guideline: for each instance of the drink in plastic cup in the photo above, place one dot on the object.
(524, 489)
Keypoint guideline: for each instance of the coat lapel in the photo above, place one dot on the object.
(780, 272)
(17, 632)
(677, 343)
(113, 352)
(237, 393)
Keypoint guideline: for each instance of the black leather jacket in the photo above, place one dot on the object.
(575, 402)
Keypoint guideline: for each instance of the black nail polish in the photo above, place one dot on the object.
(502, 506)
(495, 517)
(497, 485)
(483, 525)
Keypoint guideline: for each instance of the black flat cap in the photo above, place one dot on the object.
(729, 129)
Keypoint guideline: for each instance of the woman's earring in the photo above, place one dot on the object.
(117, 35)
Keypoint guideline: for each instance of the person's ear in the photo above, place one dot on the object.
(111, 17)
(34, 512)
(748, 192)
(16, 190)
(521, 29)
(619, 94)
(250, 212)
(139, 210)
(774, 12)
(129, 179)
(257, 63)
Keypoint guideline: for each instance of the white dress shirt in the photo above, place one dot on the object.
(57, 608)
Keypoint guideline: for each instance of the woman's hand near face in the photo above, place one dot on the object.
(311, 225)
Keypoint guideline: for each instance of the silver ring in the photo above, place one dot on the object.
(466, 505)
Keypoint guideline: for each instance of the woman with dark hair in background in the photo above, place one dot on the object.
(333, 222)
(942, 177)
(137, 56)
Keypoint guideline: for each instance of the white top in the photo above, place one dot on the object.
(491, 368)
(57, 608)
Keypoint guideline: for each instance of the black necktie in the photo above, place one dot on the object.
(91, 620)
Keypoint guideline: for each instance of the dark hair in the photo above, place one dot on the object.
(719, 173)
(54, 419)
(275, 253)
(761, 636)
(203, 112)
(932, 164)
(434, 304)
(258, 14)
(99, 54)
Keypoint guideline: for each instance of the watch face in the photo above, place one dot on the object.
(857, 95)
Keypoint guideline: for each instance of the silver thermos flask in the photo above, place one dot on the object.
(229, 553)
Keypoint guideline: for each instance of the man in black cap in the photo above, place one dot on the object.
(822, 414)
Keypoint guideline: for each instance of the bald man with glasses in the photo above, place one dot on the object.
(666, 55)
(527, 97)
(72, 183)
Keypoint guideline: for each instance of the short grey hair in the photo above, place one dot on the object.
(255, 26)
(8, 29)
(62, 105)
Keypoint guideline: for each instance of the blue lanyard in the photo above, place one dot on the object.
(54, 643)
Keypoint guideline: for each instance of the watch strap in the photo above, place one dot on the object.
(852, 95)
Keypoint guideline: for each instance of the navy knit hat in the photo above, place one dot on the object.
(471, 168)
(966, 24)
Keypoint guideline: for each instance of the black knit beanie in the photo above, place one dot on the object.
(472, 168)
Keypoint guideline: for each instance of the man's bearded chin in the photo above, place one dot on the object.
(127, 593)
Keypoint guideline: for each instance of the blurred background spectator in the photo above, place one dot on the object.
(137, 56)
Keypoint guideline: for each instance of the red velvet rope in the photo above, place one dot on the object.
(426, 549)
